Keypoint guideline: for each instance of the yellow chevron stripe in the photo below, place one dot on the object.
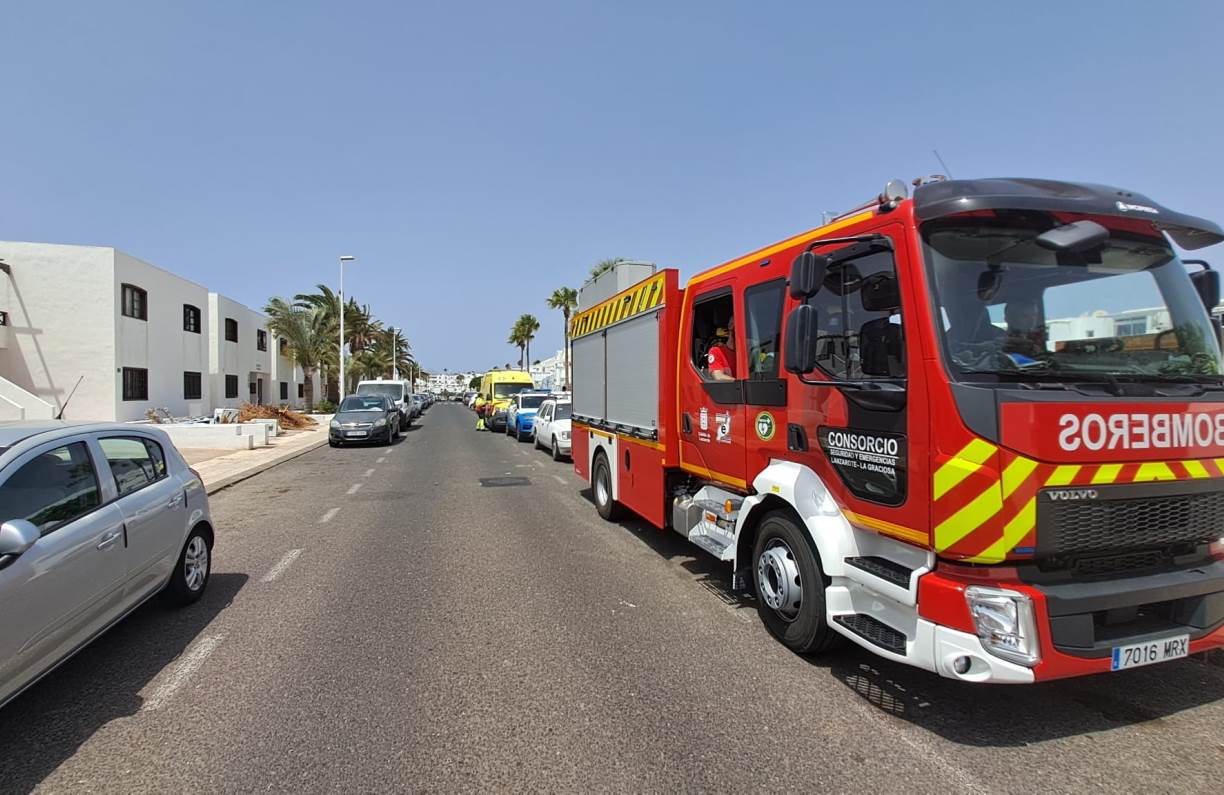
(1195, 469)
(1013, 533)
(1154, 470)
(1106, 473)
(1016, 473)
(962, 465)
(968, 518)
(1062, 475)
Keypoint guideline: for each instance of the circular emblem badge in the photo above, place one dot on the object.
(765, 426)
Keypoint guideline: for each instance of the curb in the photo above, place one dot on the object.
(237, 477)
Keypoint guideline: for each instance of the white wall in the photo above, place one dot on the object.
(160, 344)
(62, 303)
(239, 358)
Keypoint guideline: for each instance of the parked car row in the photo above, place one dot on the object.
(543, 418)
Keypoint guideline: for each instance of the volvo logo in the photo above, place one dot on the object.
(1070, 495)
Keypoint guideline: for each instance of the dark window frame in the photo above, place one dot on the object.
(261, 340)
(231, 330)
(778, 285)
(135, 383)
(157, 456)
(284, 390)
(133, 301)
(231, 386)
(197, 382)
(191, 319)
(301, 391)
(850, 305)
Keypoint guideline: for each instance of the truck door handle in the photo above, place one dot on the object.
(686, 422)
(109, 539)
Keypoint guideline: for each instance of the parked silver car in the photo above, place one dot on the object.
(96, 518)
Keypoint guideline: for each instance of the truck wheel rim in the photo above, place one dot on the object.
(601, 487)
(195, 564)
(778, 581)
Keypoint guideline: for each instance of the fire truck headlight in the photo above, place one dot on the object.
(1005, 623)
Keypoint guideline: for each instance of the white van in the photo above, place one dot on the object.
(400, 393)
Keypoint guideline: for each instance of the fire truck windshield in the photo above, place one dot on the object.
(1008, 309)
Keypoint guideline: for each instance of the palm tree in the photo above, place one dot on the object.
(360, 327)
(305, 332)
(529, 326)
(565, 299)
(516, 339)
(605, 265)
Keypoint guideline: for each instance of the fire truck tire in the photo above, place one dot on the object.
(601, 488)
(790, 586)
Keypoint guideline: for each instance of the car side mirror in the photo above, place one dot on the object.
(17, 536)
(1207, 285)
(800, 356)
(807, 274)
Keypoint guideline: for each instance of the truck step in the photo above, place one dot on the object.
(885, 569)
(874, 632)
(714, 546)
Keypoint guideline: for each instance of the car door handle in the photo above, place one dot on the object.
(175, 501)
(109, 539)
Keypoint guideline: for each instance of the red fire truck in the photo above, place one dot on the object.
(979, 430)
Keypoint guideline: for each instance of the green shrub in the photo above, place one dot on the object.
(324, 407)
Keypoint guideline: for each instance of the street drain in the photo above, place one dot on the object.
(510, 481)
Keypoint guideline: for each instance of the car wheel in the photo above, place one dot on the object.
(556, 451)
(790, 586)
(601, 485)
(190, 575)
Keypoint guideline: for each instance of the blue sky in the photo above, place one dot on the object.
(474, 156)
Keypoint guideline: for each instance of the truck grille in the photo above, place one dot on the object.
(1138, 522)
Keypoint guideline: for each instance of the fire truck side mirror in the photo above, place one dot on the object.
(801, 332)
(807, 274)
(1207, 283)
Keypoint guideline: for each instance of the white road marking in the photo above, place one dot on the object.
(188, 664)
(281, 565)
(560, 480)
(382, 460)
(353, 488)
(626, 604)
(331, 514)
(368, 472)
(540, 464)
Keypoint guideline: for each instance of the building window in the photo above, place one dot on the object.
(1130, 327)
(192, 386)
(231, 330)
(135, 302)
(261, 340)
(284, 390)
(135, 383)
(252, 390)
(231, 386)
(191, 318)
(3, 318)
(301, 391)
(284, 346)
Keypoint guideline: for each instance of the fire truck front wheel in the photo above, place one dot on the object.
(790, 586)
(601, 487)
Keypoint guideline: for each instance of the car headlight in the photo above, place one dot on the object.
(1005, 623)
(335, 423)
(380, 422)
(565, 435)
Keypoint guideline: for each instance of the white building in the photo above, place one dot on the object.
(451, 383)
(135, 336)
(550, 373)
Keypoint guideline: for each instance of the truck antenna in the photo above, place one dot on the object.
(60, 416)
(943, 165)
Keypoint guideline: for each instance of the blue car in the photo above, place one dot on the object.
(520, 416)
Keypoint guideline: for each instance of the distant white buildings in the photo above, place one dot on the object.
(550, 373)
(135, 336)
(451, 383)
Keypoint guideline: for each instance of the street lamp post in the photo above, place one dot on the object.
(394, 357)
(344, 259)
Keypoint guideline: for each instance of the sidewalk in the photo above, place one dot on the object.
(219, 471)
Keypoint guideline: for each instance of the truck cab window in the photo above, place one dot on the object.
(763, 328)
(713, 350)
(860, 335)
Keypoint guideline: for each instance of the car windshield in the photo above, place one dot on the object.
(562, 412)
(505, 390)
(393, 391)
(362, 403)
(1008, 308)
(531, 401)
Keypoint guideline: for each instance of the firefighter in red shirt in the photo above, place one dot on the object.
(720, 359)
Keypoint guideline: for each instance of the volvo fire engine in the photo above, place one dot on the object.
(978, 430)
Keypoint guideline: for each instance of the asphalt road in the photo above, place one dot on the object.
(380, 621)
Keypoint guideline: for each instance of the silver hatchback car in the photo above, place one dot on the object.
(94, 520)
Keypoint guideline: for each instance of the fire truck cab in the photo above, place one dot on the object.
(979, 430)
